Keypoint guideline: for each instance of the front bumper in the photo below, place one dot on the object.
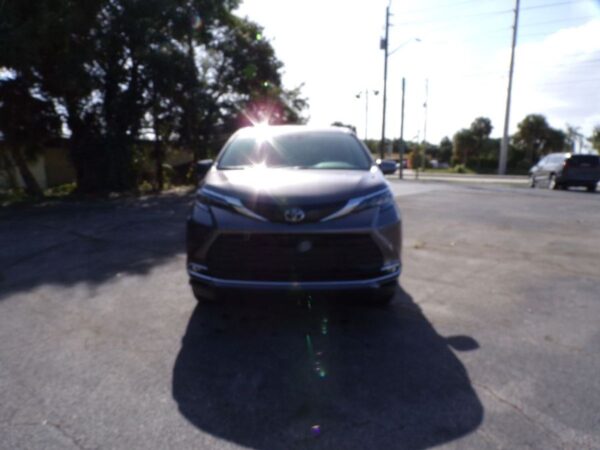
(346, 285)
(369, 266)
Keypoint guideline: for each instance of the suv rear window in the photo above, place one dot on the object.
(584, 160)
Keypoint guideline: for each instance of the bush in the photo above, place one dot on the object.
(61, 191)
(461, 168)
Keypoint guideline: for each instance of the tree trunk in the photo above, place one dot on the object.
(159, 160)
(9, 170)
(31, 185)
(158, 151)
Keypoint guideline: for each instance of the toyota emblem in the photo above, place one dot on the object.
(293, 215)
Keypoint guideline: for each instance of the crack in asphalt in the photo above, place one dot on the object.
(56, 426)
(61, 430)
(520, 410)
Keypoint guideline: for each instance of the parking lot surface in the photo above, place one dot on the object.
(492, 342)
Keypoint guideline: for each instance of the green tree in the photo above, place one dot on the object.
(555, 141)
(535, 138)
(594, 139)
(26, 122)
(343, 125)
(446, 149)
(465, 145)
(573, 139)
(243, 79)
(187, 70)
(481, 129)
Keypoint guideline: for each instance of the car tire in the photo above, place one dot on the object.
(552, 184)
(385, 294)
(531, 181)
(592, 188)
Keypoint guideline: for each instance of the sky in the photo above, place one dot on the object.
(460, 49)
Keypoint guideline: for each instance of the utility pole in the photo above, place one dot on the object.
(504, 144)
(358, 96)
(400, 171)
(366, 114)
(425, 124)
(384, 47)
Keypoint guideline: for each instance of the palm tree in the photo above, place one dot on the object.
(574, 138)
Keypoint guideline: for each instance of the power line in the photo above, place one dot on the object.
(502, 74)
(560, 82)
(490, 13)
(454, 76)
(584, 61)
(535, 24)
(435, 8)
(594, 53)
(469, 36)
(459, 16)
(551, 5)
(542, 33)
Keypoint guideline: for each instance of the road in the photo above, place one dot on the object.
(510, 180)
(493, 341)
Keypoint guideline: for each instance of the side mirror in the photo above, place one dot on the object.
(202, 167)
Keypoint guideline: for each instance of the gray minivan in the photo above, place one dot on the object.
(562, 170)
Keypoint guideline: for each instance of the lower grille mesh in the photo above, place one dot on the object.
(312, 257)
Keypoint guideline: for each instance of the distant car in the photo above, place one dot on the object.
(294, 208)
(562, 170)
(387, 166)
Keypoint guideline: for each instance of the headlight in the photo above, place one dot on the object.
(206, 197)
(382, 199)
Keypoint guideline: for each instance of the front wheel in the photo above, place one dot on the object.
(203, 295)
(385, 294)
(531, 181)
(552, 182)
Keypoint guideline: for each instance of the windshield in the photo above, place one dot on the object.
(296, 150)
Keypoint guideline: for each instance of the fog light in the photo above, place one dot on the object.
(193, 267)
(391, 268)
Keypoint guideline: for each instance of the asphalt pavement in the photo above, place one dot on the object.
(492, 342)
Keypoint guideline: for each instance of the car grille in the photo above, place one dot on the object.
(274, 212)
(294, 257)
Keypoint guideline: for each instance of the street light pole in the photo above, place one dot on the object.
(366, 113)
(400, 170)
(384, 46)
(358, 96)
(425, 105)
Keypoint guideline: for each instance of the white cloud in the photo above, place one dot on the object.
(332, 46)
(556, 77)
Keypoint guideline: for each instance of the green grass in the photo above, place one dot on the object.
(66, 192)
(455, 169)
(17, 196)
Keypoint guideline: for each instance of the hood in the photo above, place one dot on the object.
(295, 186)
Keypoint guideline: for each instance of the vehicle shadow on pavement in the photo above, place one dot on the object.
(90, 242)
(325, 374)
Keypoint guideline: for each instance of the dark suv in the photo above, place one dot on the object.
(561, 170)
(294, 208)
